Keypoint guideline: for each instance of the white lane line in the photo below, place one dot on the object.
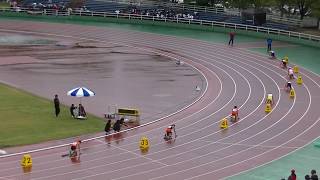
(2, 152)
(251, 145)
(131, 152)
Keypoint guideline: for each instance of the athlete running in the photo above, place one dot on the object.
(235, 113)
(75, 149)
(290, 73)
(169, 131)
(288, 86)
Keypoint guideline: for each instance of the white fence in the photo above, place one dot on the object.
(212, 24)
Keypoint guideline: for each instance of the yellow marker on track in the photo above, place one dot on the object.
(224, 123)
(299, 80)
(295, 69)
(144, 143)
(26, 160)
(268, 108)
(292, 93)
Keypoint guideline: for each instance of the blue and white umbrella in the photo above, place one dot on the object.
(81, 92)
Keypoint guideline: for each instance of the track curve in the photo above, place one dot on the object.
(202, 150)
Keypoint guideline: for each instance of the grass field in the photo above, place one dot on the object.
(28, 119)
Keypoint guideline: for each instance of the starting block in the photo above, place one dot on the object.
(299, 80)
(224, 123)
(26, 160)
(268, 108)
(292, 93)
(295, 69)
(144, 143)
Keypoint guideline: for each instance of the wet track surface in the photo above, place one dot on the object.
(202, 150)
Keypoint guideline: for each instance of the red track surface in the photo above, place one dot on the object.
(202, 150)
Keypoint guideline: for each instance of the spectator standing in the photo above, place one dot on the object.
(307, 177)
(314, 175)
(269, 43)
(231, 35)
(72, 108)
(293, 175)
(107, 127)
(56, 105)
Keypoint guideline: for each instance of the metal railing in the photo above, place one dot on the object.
(212, 24)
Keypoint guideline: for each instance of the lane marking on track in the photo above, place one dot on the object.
(2, 152)
(250, 145)
(131, 152)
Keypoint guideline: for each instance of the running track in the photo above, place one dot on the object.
(202, 150)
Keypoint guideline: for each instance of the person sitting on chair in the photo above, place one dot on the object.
(82, 112)
(72, 108)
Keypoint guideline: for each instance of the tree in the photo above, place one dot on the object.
(202, 2)
(281, 5)
(258, 4)
(304, 7)
(240, 4)
(315, 11)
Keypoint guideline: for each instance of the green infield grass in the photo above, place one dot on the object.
(28, 119)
